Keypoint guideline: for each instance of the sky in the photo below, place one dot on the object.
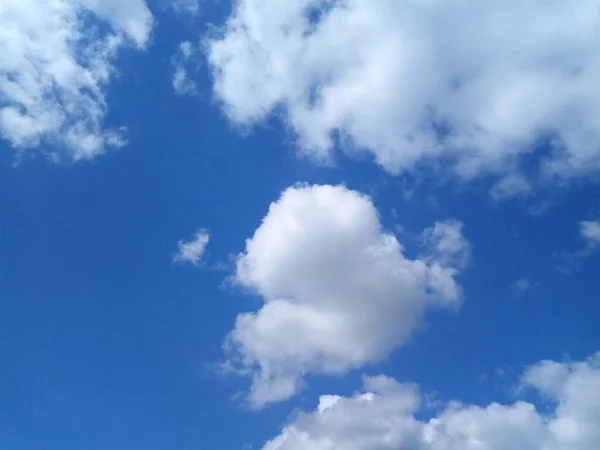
(301, 224)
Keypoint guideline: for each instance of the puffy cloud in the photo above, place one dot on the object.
(182, 84)
(56, 63)
(382, 417)
(590, 231)
(338, 291)
(480, 85)
(192, 251)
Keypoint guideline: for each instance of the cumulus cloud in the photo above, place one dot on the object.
(338, 290)
(182, 83)
(192, 251)
(382, 417)
(479, 85)
(56, 63)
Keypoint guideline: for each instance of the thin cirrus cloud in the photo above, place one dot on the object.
(338, 290)
(57, 60)
(382, 416)
(192, 251)
(507, 88)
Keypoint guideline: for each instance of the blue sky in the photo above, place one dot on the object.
(109, 341)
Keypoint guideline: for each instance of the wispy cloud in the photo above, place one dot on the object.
(192, 251)
(185, 6)
(589, 230)
(523, 285)
(182, 83)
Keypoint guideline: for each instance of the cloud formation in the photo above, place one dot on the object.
(382, 417)
(185, 6)
(445, 244)
(590, 231)
(338, 291)
(192, 251)
(56, 63)
(505, 87)
(182, 84)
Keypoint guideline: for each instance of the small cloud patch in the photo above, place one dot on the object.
(192, 251)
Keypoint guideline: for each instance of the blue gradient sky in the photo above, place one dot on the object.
(105, 343)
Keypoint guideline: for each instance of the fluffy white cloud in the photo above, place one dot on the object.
(338, 291)
(476, 84)
(383, 417)
(182, 84)
(590, 231)
(55, 64)
(192, 251)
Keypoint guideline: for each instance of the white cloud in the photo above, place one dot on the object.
(182, 84)
(185, 6)
(56, 63)
(338, 291)
(513, 185)
(383, 417)
(445, 243)
(590, 231)
(474, 83)
(192, 251)
(131, 17)
(186, 49)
